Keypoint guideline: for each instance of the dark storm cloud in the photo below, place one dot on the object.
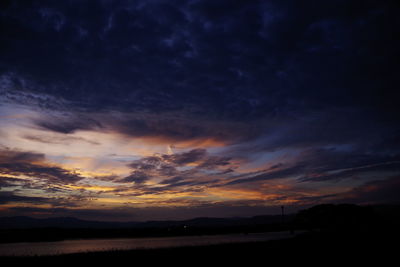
(215, 162)
(7, 181)
(53, 197)
(171, 127)
(173, 180)
(137, 177)
(381, 191)
(7, 156)
(146, 163)
(57, 140)
(52, 174)
(189, 171)
(67, 125)
(259, 65)
(350, 128)
(9, 197)
(239, 60)
(185, 158)
(168, 128)
(268, 175)
(34, 165)
(290, 75)
(345, 162)
(325, 164)
(168, 166)
(317, 78)
(354, 172)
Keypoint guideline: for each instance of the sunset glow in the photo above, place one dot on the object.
(195, 109)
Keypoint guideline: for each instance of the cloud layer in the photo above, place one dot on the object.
(135, 105)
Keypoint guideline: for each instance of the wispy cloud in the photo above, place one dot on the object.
(146, 104)
(57, 139)
(34, 165)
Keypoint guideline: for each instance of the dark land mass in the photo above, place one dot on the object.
(337, 234)
(343, 216)
(21, 222)
(26, 229)
(314, 248)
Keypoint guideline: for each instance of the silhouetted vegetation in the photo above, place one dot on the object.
(344, 217)
(348, 218)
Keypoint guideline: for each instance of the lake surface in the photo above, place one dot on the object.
(90, 245)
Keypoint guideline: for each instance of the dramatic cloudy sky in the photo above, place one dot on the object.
(164, 109)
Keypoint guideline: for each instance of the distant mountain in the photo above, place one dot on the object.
(328, 216)
(21, 222)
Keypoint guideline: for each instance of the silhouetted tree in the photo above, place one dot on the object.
(335, 217)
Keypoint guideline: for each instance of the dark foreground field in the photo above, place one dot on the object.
(315, 248)
(335, 235)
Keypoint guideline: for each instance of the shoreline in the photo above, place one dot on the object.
(308, 247)
(110, 244)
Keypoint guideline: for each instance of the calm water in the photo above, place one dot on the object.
(86, 245)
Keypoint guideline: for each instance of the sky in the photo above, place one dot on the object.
(160, 110)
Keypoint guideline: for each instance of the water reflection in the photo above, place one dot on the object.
(74, 246)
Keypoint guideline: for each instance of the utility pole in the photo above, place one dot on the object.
(283, 214)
